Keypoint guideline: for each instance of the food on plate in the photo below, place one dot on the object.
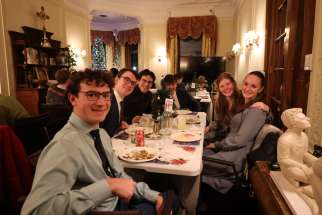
(193, 120)
(139, 155)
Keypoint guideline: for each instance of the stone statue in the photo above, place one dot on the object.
(316, 181)
(293, 156)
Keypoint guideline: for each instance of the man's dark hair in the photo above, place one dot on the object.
(178, 76)
(62, 75)
(99, 78)
(122, 71)
(147, 72)
(169, 79)
(114, 71)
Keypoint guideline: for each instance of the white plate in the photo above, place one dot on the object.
(183, 112)
(185, 136)
(133, 155)
(131, 130)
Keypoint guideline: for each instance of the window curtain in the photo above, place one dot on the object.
(208, 46)
(194, 27)
(109, 55)
(122, 56)
(174, 54)
(125, 38)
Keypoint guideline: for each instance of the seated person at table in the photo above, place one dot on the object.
(139, 101)
(125, 82)
(226, 105)
(114, 72)
(57, 94)
(181, 98)
(78, 171)
(11, 110)
(179, 79)
(244, 126)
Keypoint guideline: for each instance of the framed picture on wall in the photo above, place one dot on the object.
(42, 74)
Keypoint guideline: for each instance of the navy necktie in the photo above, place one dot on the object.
(100, 149)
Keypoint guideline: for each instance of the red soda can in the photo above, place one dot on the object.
(139, 137)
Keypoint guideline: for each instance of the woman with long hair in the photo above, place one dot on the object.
(244, 127)
(227, 103)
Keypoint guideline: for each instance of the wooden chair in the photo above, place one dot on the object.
(267, 137)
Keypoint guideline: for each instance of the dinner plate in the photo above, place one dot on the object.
(131, 130)
(183, 112)
(185, 136)
(139, 154)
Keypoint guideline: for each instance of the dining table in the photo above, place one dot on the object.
(176, 153)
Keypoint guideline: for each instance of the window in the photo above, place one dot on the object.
(190, 47)
(131, 56)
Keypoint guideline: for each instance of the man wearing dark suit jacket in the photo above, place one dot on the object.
(125, 82)
(181, 98)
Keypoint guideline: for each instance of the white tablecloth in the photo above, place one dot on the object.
(168, 151)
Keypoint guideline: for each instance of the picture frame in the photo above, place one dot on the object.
(42, 73)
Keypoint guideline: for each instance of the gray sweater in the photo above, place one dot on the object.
(244, 127)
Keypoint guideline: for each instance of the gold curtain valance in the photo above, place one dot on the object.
(107, 36)
(129, 36)
(191, 27)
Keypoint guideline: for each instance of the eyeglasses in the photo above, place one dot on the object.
(128, 80)
(94, 96)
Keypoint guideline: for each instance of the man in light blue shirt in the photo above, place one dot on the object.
(74, 175)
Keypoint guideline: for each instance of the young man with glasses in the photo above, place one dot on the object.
(125, 82)
(78, 171)
(139, 101)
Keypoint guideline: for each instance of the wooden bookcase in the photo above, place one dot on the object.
(34, 65)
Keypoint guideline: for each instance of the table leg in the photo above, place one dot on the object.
(187, 188)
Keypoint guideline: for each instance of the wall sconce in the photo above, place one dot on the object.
(236, 49)
(251, 39)
(79, 53)
(160, 55)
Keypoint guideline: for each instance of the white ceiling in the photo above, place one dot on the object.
(125, 14)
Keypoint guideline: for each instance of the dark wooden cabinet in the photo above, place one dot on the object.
(289, 37)
(35, 65)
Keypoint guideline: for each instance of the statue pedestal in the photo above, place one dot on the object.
(291, 197)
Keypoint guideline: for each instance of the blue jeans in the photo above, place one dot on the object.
(148, 208)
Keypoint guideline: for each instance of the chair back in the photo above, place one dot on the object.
(16, 172)
(265, 145)
(32, 132)
(58, 117)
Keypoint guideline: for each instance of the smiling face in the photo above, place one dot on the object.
(171, 87)
(125, 84)
(145, 83)
(226, 87)
(252, 86)
(92, 112)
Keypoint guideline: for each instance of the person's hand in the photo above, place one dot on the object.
(122, 187)
(159, 205)
(136, 119)
(262, 106)
(211, 146)
(124, 125)
(207, 129)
